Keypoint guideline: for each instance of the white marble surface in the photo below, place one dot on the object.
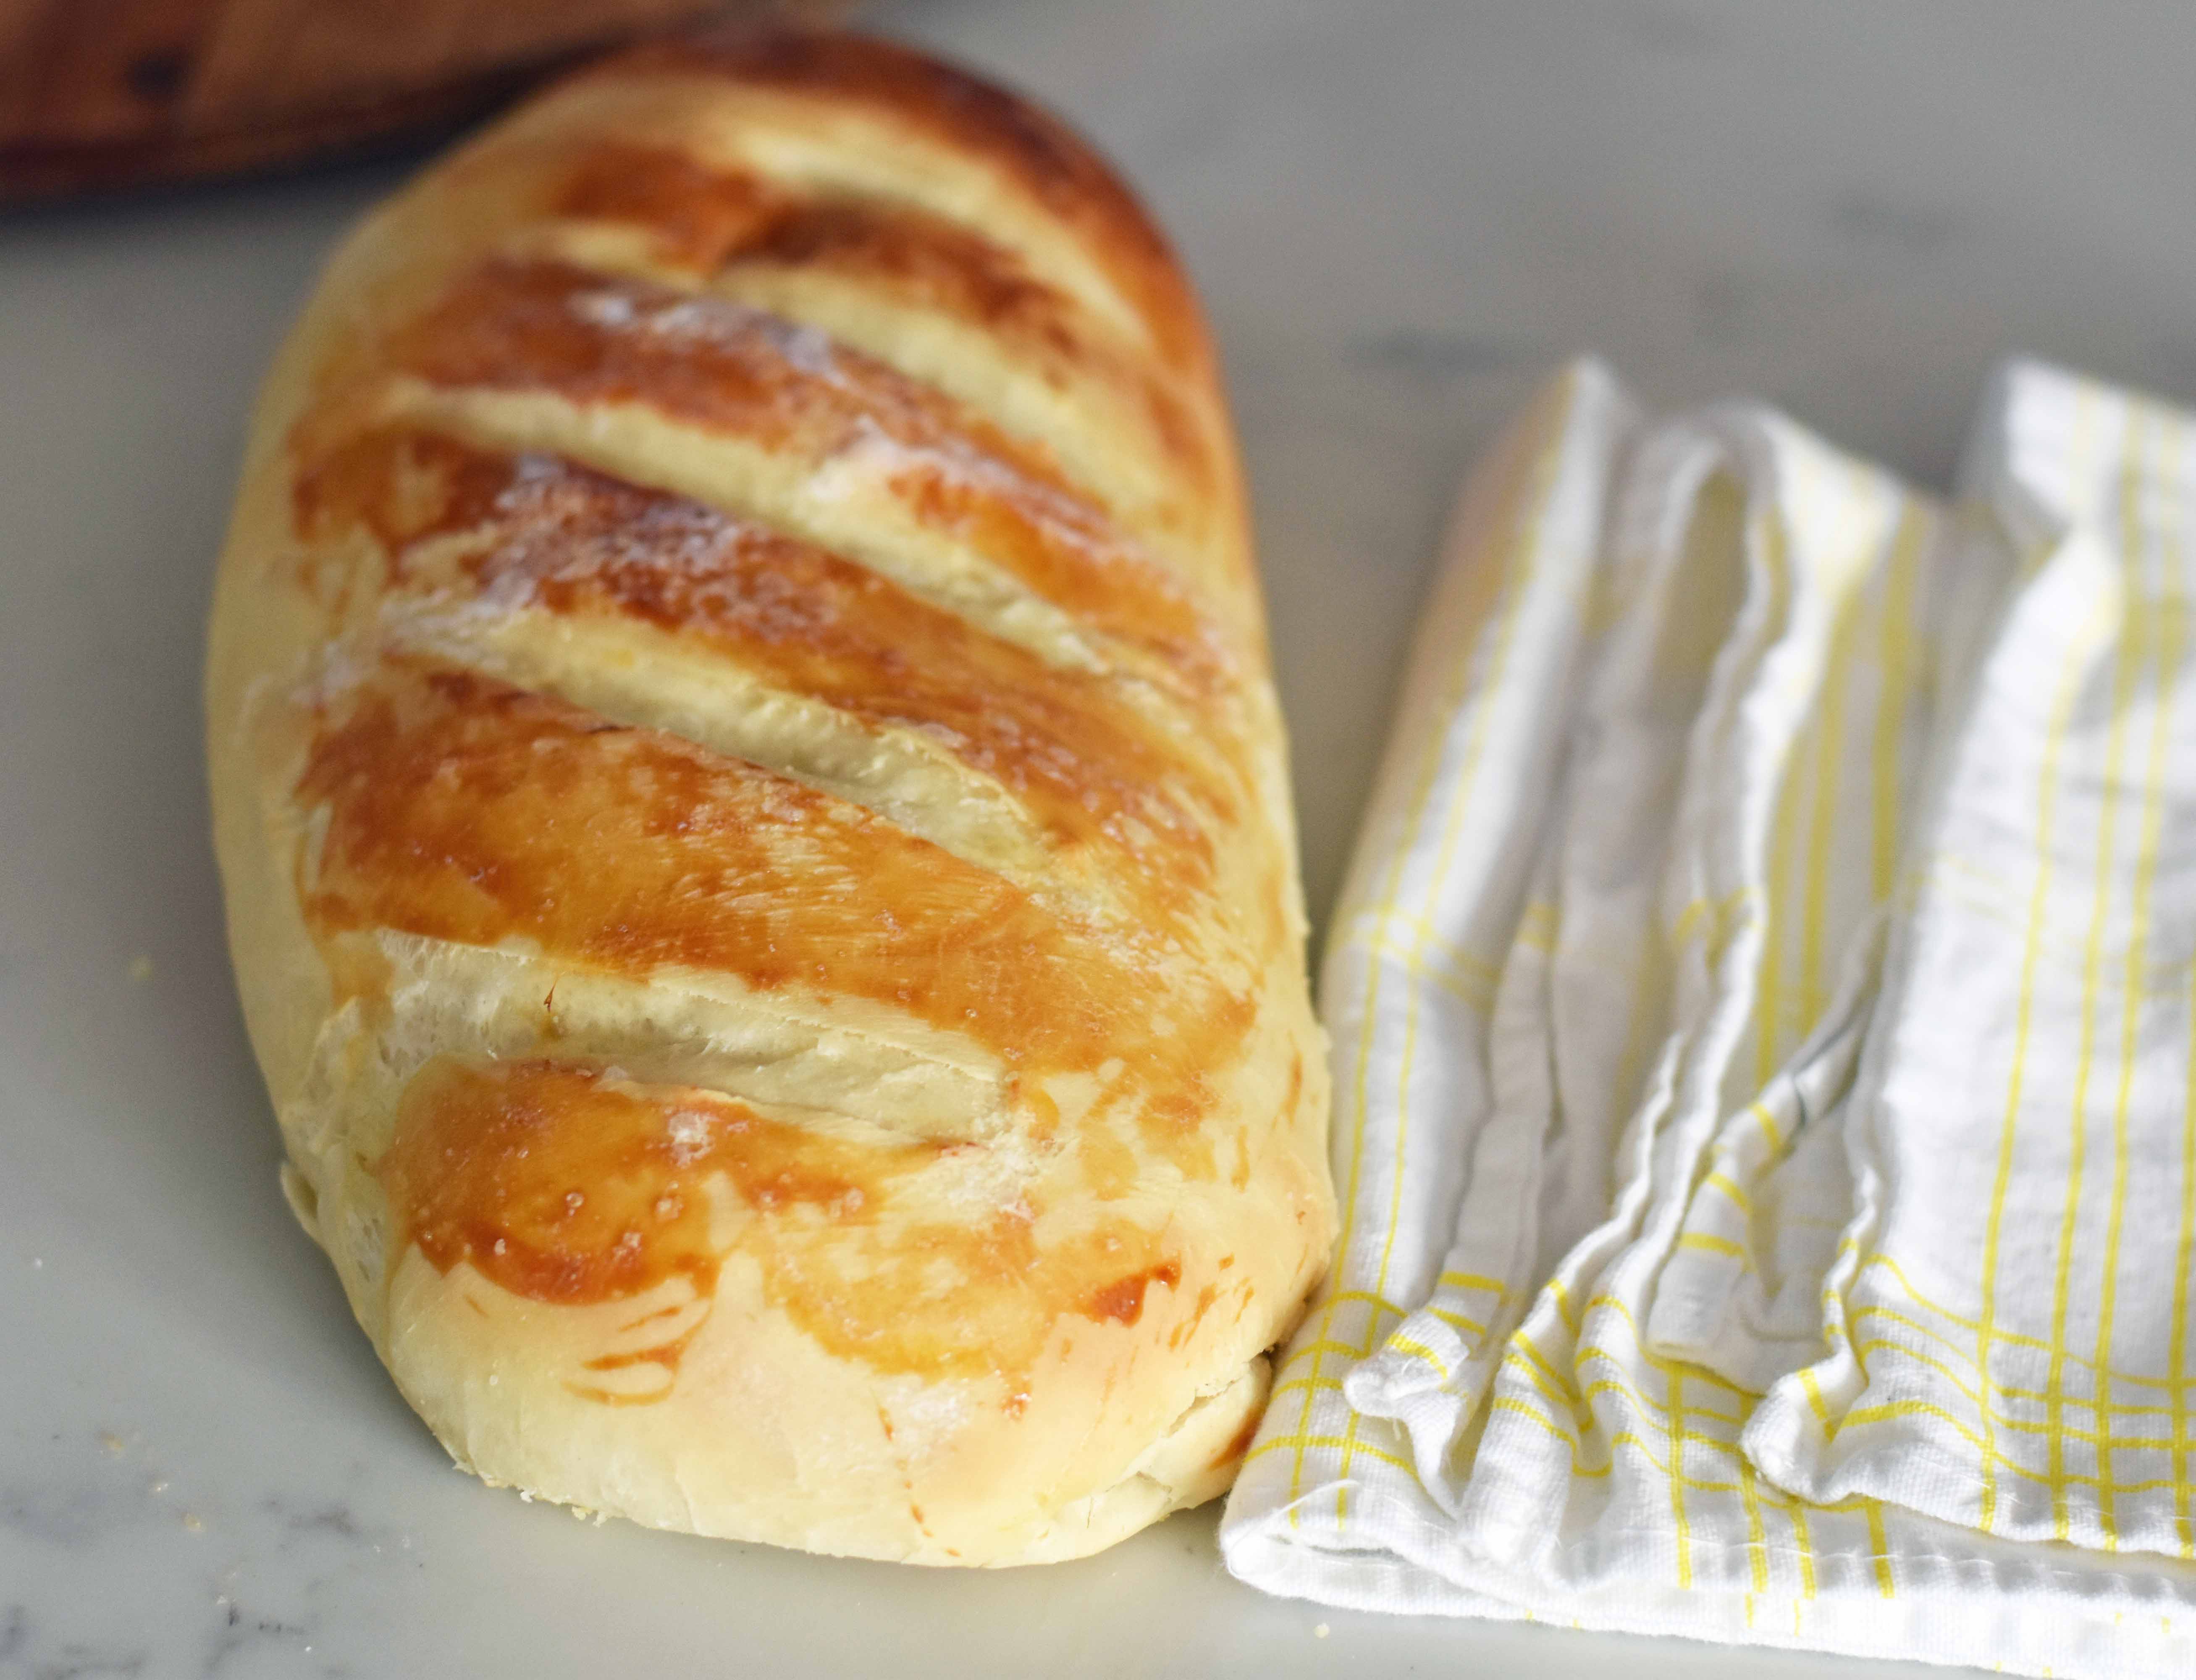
(1400, 213)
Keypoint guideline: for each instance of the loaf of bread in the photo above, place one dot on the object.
(754, 819)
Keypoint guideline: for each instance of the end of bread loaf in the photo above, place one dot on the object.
(754, 819)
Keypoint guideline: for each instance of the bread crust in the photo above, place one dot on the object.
(754, 820)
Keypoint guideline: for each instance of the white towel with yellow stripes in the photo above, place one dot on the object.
(1764, 1039)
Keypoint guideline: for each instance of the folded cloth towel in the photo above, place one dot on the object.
(1764, 1040)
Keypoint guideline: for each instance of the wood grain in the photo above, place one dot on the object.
(105, 93)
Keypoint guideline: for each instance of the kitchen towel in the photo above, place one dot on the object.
(1763, 1040)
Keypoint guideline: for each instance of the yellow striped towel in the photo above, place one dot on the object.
(1766, 1055)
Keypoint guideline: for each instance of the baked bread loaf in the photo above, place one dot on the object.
(754, 820)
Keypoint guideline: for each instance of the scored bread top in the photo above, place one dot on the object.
(755, 816)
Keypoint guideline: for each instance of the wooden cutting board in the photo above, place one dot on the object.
(96, 95)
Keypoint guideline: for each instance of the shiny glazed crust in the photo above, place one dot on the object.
(755, 823)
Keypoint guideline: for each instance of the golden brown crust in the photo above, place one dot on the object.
(755, 823)
(594, 340)
(1044, 156)
(577, 544)
(757, 239)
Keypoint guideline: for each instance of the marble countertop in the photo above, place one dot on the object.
(1400, 214)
